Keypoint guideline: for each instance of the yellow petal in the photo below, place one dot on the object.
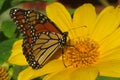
(53, 66)
(113, 54)
(59, 15)
(84, 16)
(72, 74)
(109, 68)
(110, 42)
(17, 56)
(47, 77)
(80, 74)
(62, 75)
(106, 23)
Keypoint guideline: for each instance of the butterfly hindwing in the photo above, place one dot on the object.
(47, 43)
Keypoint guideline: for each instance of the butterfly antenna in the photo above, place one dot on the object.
(77, 28)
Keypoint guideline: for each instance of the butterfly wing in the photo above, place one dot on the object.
(19, 18)
(40, 36)
(40, 22)
(45, 46)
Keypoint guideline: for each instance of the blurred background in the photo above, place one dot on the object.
(9, 33)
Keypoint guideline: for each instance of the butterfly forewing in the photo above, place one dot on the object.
(40, 22)
(41, 38)
(19, 17)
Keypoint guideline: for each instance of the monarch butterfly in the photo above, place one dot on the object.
(41, 37)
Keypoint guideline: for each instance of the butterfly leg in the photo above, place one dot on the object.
(62, 49)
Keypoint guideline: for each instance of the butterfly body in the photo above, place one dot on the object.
(41, 37)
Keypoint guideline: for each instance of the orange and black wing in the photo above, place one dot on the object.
(41, 38)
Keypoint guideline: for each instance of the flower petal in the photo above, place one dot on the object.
(109, 68)
(113, 54)
(106, 23)
(17, 56)
(62, 75)
(59, 15)
(110, 42)
(53, 66)
(84, 16)
(80, 74)
(74, 74)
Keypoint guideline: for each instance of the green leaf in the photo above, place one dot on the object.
(5, 5)
(1, 3)
(17, 69)
(2, 36)
(8, 28)
(16, 2)
(107, 78)
(5, 49)
(71, 10)
(10, 3)
(48, 0)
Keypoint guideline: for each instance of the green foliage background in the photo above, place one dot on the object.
(9, 34)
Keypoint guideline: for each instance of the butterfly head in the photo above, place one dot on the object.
(64, 39)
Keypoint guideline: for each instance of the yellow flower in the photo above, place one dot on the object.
(96, 43)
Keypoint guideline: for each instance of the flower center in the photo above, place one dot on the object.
(84, 53)
(3, 74)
